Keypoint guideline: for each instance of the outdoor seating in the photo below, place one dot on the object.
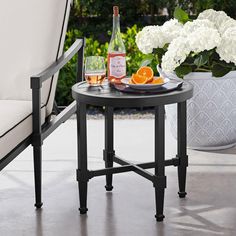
(32, 41)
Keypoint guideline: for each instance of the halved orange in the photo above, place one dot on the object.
(139, 79)
(131, 81)
(157, 80)
(150, 80)
(146, 71)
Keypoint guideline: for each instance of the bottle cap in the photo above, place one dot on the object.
(115, 10)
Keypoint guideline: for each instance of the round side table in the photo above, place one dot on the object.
(109, 98)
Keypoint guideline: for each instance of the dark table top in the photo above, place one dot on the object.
(107, 95)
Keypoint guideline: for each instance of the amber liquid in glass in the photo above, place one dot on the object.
(95, 79)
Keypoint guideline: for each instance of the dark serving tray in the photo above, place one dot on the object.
(168, 87)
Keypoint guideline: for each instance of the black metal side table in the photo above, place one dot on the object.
(109, 98)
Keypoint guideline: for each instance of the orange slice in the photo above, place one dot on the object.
(131, 81)
(157, 80)
(139, 79)
(146, 71)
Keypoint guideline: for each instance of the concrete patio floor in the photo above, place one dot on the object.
(209, 208)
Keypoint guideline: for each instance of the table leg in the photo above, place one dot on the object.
(160, 182)
(82, 171)
(108, 152)
(182, 148)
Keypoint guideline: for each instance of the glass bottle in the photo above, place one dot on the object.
(116, 51)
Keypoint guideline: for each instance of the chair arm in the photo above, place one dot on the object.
(37, 80)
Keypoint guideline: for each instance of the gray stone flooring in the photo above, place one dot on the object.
(209, 208)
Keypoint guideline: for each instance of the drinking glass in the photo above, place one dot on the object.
(95, 70)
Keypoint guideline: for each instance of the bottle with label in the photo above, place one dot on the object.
(116, 51)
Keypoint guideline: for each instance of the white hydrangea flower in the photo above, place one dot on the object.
(171, 29)
(227, 48)
(230, 23)
(212, 29)
(191, 26)
(216, 17)
(177, 52)
(150, 37)
(204, 38)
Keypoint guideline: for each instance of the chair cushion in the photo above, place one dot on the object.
(30, 41)
(16, 123)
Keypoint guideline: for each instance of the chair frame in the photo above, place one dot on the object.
(41, 132)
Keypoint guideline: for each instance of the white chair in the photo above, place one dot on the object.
(31, 42)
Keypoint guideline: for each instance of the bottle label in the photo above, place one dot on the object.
(116, 65)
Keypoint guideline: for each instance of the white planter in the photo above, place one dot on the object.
(211, 113)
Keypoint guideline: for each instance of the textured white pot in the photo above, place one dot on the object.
(211, 113)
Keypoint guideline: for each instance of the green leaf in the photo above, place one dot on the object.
(183, 70)
(219, 70)
(189, 60)
(181, 15)
(147, 60)
(225, 64)
(159, 52)
(202, 58)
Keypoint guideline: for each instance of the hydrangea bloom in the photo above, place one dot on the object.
(203, 38)
(228, 24)
(149, 38)
(171, 29)
(157, 36)
(227, 48)
(191, 26)
(216, 17)
(177, 52)
(211, 30)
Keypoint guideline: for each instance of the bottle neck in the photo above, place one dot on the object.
(116, 24)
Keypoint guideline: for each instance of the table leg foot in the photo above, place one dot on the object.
(83, 189)
(182, 194)
(108, 158)
(38, 205)
(182, 172)
(159, 204)
(108, 187)
(159, 217)
(83, 210)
